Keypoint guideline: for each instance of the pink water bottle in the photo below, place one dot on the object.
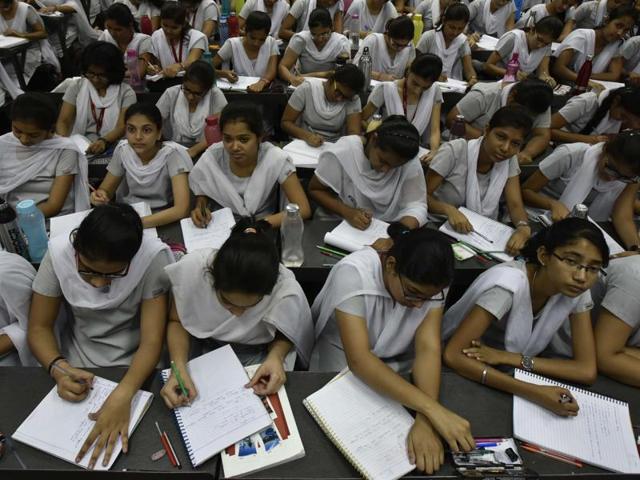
(212, 131)
(146, 26)
(513, 66)
(234, 26)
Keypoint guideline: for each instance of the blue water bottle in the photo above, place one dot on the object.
(223, 30)
(31, 222)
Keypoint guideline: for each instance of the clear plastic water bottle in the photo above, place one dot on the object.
(365, 65)
(31, 221)
(223, 30)
(11, 237)
(212, 131)
(511, 75)
(580, 210)
(292, 229)
(458, 129)
(134, 74)
(354, 34)
(374, 123)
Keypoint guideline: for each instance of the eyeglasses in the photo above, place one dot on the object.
(224, 301)
(96, 76)
(399, 46)
(574, 265)
(187, 91)
(320, 36)
(84, 272)
(409, 297)
(614, 172)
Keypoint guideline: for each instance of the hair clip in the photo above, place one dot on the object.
(250, 230)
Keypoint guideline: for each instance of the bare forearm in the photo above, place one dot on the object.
(626, 230)
(537, 145)
(294, 130)
(567, 369)
(537, 199)
(439, 207)
(178, 340)
(563, 136)
(165, 217)
(280, 347)
(43, 344)
(197, 149)
(6, 345)
(142, 365)
(329, 201)
(494, 70)
(623, 367)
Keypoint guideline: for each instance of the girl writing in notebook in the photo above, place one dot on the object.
(242, 172)
(299, 17)
(381, 313)
(111, 279)
(381, 178)
(560, 9)
(477, 173)
(512, 311)
(146, 169)
(490, 17)
(239, 295)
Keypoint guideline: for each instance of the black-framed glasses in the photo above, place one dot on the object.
(96, 76)
(577, 266)
(409, 297)
(187, 91)
(85, 272)
(618, 175)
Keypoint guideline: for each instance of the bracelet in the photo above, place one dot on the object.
(523, 223)
(483, 380)
(54, 361)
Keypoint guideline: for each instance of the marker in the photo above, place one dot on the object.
(183, 389)
(486, 444)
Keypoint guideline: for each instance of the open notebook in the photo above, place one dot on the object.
(348, 238)
(240, 85)
(59, 427)
(601, 433)
(304, 155)
(213, 236)
(368, 428)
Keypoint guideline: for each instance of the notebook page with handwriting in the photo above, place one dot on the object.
(349, 238)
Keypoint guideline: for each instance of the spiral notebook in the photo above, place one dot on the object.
(368, 428)
(601, 434)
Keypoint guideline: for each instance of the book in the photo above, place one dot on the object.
(488, 235)
(279, 443)
(349, 238)
(601, 434)
(213, 236)
(59, 427)
(10, 42)
(304, 155)
(453, 85)
(487, 42)
(369, 429)
(224, 411)
(241, 85)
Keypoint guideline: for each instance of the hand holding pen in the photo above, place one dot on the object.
(74, 384)
(359, 218)
(201, 215)
(179, 390)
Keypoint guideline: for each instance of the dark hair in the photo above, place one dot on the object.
(427, 65)
(625, 147)
(110, 232)
(349, 75)
(176, 12)
(563, 233)
(398, 135)
(550, 25)
(149, 110)
(423, 255)
(107, 56)
(320, 17)
(258, 21)
(514, 116)
(534, 94)
(245, 112)
(619, 12)
(629, 100)
(248, 261)
(37, 108)
(120, 13)
(202, 73)
(400, 27)
(453, 12)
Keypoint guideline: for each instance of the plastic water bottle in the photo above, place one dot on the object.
(374, 123)
(146, 26)
(31, 221)
(207, 57)
(365, 65)
(418, 26)
(354, 34)
(226, 7)
(223, 30)
(580, 211)
(237, 6)
(511, 75)
(134, 74)
(584, 74)
(234, 26)
(212, 131)
(10, 235)
(458, 129)
(291, 230)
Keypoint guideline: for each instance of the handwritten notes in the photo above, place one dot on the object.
(240, 85)
(303, 155)
(213, 236)
(349, 238)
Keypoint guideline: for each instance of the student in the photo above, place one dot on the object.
(491, 17)
(594, 13)
(253, 55)
(320, 110)
(243, 173)
(449, 43)
(484, 99)
(79, 26)
(37, 164)
(112, 282)
(176, 45)
(563, 10)
(314, 50)
(276, 9)
(145, 169)
(591, 117)
(533, 48)
(243, 296)
(477, 173)
(16, 277)
(299, 17)
(603, 44)
(202, 15)
(382, 312)
(9, 87)
(630, 52)
(144, 8)
(382, 178)
(604, 176)
(511, 312)
(373, 16)
(94, 105)
(392, 51)
(431, 10)
(417, 97)
(185, 107)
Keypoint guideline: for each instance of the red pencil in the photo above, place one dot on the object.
(166, 446)
(173, 452)
(555, 456)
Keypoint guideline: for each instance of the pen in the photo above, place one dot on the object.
(555, 456)
(482, 236)
(81, 381)
(176, 372)
(91, 187)
(203, 212)
(166, 446)
(486, 444)
(173, 452)
(329, 250)
(332, 255)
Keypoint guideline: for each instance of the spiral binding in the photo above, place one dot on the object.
(183, 432)
(576, 389)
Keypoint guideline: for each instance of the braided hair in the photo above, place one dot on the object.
(629, 100)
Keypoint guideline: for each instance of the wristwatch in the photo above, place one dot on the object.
(526, 362)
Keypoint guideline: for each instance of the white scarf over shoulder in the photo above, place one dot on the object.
(435, 12)
(393, 105)
(585, 179)
(391, 326)
(242, 65)
(134, 44)
(377, 23)
(336, 44)
(607, 124)
(285, 310)
(529, 60)
(601, 12)
(382, 61)
(449, 55)
(87, 94)
(197, 19)
(521, 334)
(15, 296)
(487, 205)
(496, 22)
(162, 49)
(583, 42)
(80, 294)
(8, 83)
(189, 124)
(20, 164)
(324, 108)
(280, 10)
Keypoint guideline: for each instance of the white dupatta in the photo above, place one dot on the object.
(529, 60)
(449, 55)
(162, 48)
(607, 124)
(323, 107)
(583, 42)
(382, 61)
(336, 44)
(243, 65)
(189, 124)
(435, 12)
(496, 22)
(585, 179)
(393, 105)
(487, 205)
(377, 23)
(279, 11)
(134, 44)
(197, 19)
(601, 13)
(87, 94)
(9, 83)
(20, 164)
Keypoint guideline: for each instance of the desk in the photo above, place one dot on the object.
(12, 48)
(56, 24)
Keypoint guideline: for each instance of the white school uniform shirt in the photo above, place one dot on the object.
(163, 51)
(301, 10)
(310, 59)
(356, 286)
(579, 111)
(368, 22)
(233, 52)
(433, 41)
(381, 60)
(583, 43)
(515, 41)
(481, 20)
(144, 9)
(630, 50)
(538, 12)
(591, 14)
(207, 10)
(140, 42)
(278, 13)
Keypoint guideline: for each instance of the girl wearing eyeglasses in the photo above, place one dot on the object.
(93, 106)
(239, 295)
(185, 107)
(145, 169)
(605, 177)
(112, 282)
(243, 172)
(560, 9)
(315, 50)
(379, 314)
(490, 17)
(392, 51)
(592, 117)
(511, 312)
(298, 18)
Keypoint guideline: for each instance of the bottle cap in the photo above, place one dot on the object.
(25, 206)
(417, 16)
(292, 208)
(211, 120)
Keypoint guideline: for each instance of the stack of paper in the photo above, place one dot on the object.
(349, 238)
(304, 155)
(453, 85)
(487, 42)
(240, 85)
(213, 236)
(9, 42)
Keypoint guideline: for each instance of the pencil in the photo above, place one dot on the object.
(203, 212)
(81, 381)
(166, 446)
(173, 452)
(482, 236)
(183, 390)
(553, 455)
(332, 255)
(330, 250)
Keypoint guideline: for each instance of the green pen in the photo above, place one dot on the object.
(184, 391)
